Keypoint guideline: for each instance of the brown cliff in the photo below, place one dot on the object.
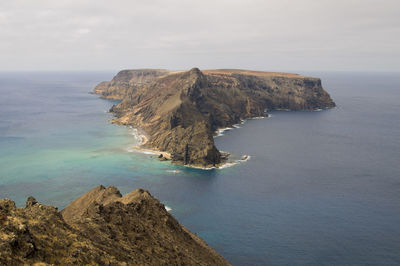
(101, 227)
(126, 82)
(180, 111)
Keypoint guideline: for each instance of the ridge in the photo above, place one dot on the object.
(179, 111)
(101, 227)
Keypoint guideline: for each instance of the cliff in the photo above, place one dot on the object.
(126, 82)
(180, 111)
(101, 227)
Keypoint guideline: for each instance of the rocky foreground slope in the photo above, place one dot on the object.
(102, 227)
(179, 111)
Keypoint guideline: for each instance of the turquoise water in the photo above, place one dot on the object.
(321, 188)
(56, 141)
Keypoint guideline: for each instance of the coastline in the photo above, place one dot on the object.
(166, 156)
(220, 131)
(159, 111)
(140, 147)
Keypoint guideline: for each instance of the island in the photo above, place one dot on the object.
(178, 112)
(101, 227)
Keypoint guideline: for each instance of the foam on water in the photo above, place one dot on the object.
(147, 152)
(220, 132)
(173, 171)
(200, 168)
(227, 165)
(311, 191)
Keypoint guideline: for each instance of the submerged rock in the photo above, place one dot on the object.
(102, 227)
(181, 110)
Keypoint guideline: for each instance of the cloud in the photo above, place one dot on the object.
(262, 34)
(82, 31)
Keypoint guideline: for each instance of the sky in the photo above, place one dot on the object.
(270, 35)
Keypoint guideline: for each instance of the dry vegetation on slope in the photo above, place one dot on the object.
(102, 227)
(180, 111)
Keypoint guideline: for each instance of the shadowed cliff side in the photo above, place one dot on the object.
(102, 227)
(180, 111)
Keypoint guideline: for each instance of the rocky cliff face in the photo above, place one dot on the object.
(181, 110)
(126, 82)
(101, 227)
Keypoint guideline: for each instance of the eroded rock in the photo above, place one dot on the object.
(181, 110)
(101, 227)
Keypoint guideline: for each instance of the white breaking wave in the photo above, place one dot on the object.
(220, 132)
(134, 132)
(147, 152)
(173, 171)
(168, 209)
(202, 168)
(227, 165)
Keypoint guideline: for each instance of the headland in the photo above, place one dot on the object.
(180, 111)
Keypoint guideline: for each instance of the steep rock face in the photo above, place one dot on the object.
(180, 111)
(101, 227)
(38, 233)
(127, 82)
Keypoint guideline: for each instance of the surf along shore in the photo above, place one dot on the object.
(180, 112)
(166, 156)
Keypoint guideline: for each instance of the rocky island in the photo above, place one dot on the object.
(102, 227)
(179, 111)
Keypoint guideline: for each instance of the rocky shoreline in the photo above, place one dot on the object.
(179, 111)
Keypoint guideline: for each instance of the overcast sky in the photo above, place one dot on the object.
(272, 35)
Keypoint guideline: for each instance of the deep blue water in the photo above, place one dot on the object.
(321, 188)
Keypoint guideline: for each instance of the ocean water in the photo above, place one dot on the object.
(320, 188)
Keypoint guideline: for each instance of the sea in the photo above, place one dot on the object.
(319, 187)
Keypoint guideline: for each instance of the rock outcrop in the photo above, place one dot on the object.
(180, 111)
(127, 82)
(101, 227)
